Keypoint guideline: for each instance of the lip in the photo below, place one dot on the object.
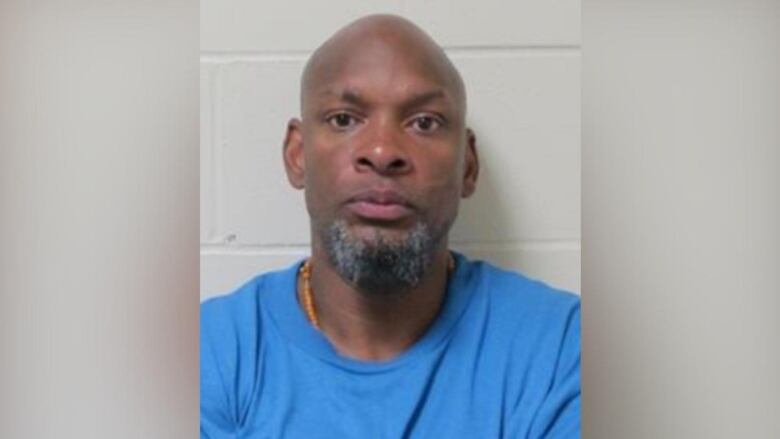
(380, 205)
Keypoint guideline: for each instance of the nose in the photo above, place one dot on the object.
(382, 153)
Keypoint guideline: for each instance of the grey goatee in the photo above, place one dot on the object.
(380, 265)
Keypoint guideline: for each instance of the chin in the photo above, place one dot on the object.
(372, 235)
(378, 258)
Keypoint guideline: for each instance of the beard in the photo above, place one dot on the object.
(378, 265)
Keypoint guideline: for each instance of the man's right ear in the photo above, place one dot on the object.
(294, 160)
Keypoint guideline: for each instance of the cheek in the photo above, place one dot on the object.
(443, 182)
(324, 174)
(324, 162)
(444, 174)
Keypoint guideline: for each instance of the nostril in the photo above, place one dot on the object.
(362, 161)
(398, 164)
(382, 161)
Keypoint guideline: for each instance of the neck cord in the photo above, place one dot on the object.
(308, 293)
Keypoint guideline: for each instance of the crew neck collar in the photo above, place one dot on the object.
(281, 303)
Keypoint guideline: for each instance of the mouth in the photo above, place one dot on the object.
(380, 205)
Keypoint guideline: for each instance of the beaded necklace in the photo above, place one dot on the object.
(308, 294)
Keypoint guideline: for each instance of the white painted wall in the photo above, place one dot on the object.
(681, 219)
(521, 64)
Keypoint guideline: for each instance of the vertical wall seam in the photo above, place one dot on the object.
(218, 145)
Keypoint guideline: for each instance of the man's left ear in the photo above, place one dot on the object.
(471, 164)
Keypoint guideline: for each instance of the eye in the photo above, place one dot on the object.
(342, 121)
(426, 124)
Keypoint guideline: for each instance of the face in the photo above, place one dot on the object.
(382, 148)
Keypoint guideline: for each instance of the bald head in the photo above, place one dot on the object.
(380, 41)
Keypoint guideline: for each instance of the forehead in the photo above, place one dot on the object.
(378, 67)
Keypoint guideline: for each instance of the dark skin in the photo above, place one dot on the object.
(383, 112)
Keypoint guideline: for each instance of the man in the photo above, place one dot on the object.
(383, 332)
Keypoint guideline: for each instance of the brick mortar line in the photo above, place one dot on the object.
(269, 250)
(220, 57)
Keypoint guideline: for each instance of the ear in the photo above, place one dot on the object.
(471, 164)
(294, 160)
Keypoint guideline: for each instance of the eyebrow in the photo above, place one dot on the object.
(421, 99)
(353, 97)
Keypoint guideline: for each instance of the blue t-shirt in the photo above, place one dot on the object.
(501, 360)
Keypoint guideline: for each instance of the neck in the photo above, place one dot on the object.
(375, 327)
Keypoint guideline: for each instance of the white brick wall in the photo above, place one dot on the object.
(521, 65)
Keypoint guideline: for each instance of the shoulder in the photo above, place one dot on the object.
(535, 328)
(517, 297)
(532, 320)
(232, 334)
(240, 304)
(228, 324)
(239, 314)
